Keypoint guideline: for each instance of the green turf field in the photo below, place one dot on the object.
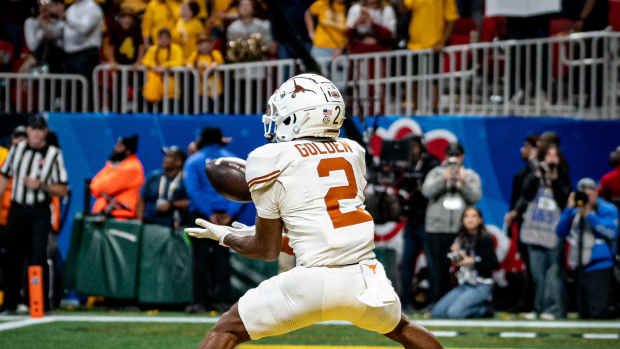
(64, 333)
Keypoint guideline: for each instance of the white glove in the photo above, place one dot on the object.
(218, 232)
(242, 229)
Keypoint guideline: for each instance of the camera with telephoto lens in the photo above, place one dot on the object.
(581, 198)
(456, 256)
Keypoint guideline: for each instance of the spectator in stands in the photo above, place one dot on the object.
(158, 59)
(544, 194)
(289, 29)
(13, 13)
(28, 223)
(117, 185)
(449, 188)
(210, 262)
(371, 25)
(610, 182)
(473, 252)
(221, 13)
(159, 14)
(430, 27)
(138, 7)
(414, 239)
(187, 28)
(206, 57)
(82, 36)
(43, 34)
(248, 24)
(124, 42)
(591, 225)
(521, 28)
(594, 16)
(163, 199)
(329, 35)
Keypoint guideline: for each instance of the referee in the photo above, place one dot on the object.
(38, 173)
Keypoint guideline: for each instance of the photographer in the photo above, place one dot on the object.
(544, 195)
(591, 227)
(473, 252)
(449, 188)
(422, 162)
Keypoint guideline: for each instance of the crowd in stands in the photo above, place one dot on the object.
(73, 36)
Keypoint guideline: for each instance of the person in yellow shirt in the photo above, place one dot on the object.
(430, 28)
(162, 56)
(138, 6)
(188, 28)
(431, 23)
(206, 57)
(159, 14)
(329, 36)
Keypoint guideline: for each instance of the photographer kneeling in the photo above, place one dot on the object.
(591, 225)
(473, 252)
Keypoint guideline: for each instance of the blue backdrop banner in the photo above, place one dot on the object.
(491, 145)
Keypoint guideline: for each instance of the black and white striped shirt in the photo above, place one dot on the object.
(45, 164)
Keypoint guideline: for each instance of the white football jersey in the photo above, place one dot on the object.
(317, 189)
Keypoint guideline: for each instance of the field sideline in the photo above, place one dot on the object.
(105, 331)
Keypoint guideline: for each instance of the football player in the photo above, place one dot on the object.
(310, 184)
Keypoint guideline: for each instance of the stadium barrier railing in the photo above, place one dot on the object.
(574, 75)
(22, 92)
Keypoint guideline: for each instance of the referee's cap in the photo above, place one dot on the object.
(37, 121)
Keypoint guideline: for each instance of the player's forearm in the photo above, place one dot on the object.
(250, 247)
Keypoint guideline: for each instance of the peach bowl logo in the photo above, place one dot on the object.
(436, 141)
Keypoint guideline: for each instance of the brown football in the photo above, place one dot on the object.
(227, 176)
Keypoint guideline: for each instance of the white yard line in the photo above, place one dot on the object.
(444, 333)
(517, 335)
(11, 325)
(600, 336)
(210, 320)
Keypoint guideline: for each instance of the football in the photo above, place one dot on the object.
(227, 176)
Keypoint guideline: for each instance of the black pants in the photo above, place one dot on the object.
(82, 63)
(26, 234)
(210, 272)
(593, 291)
(436, 248)
(413, 244)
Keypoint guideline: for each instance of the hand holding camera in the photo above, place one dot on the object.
(453, 173)
(460, 258)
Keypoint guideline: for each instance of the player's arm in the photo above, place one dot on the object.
(265, 244)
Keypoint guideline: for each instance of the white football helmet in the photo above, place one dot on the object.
(306, 105)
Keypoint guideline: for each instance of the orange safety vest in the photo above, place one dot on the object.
(5, 198)
(121, 182)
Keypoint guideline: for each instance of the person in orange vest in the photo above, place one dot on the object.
(18, 135)
(117, 185)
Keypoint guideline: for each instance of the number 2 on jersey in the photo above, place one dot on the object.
(335, 194)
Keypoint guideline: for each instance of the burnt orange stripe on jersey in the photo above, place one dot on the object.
(265, 180)
(261, 177)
